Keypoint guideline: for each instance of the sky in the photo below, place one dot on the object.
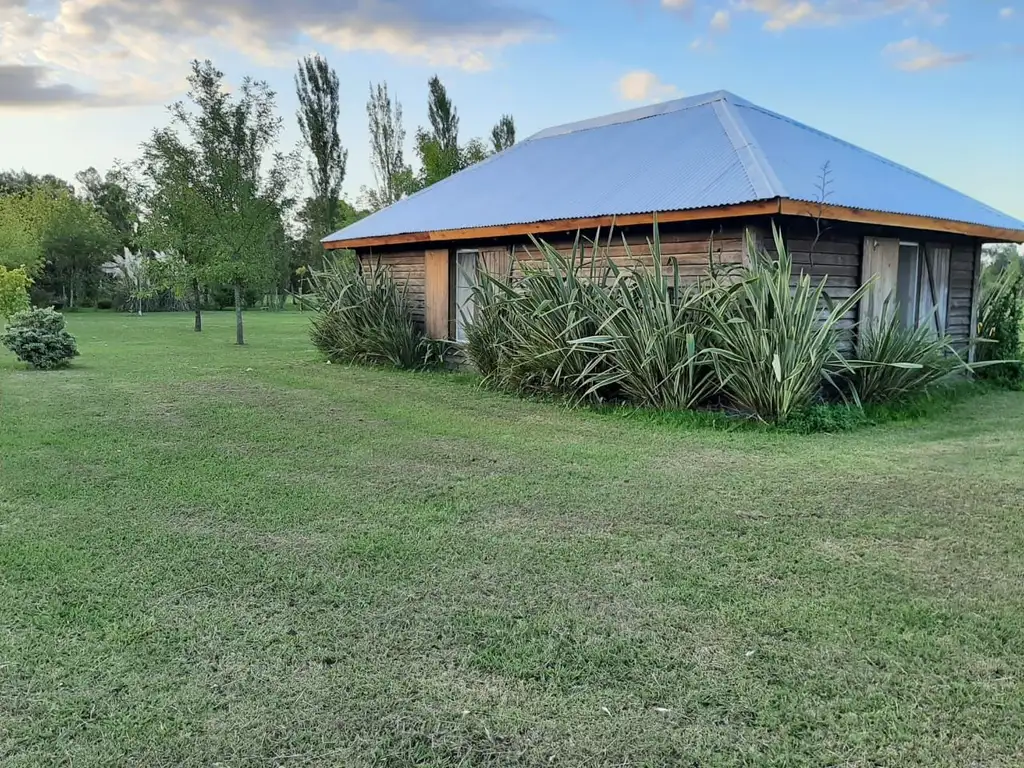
(937, 85)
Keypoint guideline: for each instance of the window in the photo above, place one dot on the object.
(922, 285)
(465, 282)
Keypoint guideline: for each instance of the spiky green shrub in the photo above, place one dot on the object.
(1000, 317)
(652, 345)
(525, 332)
(365, 318)
(487, 335)
(894, 361)
(40, 338)
(777, 336)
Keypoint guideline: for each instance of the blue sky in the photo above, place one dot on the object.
(933, 84)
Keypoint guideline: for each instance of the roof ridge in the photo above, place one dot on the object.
(759, 171)
(875, 155)
(637, 113)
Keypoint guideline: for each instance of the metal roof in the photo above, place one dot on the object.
(704, 151)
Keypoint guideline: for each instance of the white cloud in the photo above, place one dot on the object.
(782, 14)
(914, 55)
(677, 5)
(144, 46)
(1006, 13)
(641, 85)
(720, 21)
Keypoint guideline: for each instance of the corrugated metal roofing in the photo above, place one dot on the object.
(710, 150)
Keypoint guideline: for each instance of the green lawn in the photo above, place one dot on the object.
(213, 555)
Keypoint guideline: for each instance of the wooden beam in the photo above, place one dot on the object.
(435, 290)
(901, 220)
(758, 208)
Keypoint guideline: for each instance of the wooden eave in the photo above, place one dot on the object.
(775, 206)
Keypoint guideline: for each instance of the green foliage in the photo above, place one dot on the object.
(77, 238)
(39, 337)
(1000, 323)
(213, 200)
(777, 335)
(757, 339)
(394, 178)
(895, 361)
(318, 90)
(438, 147)
(23, 221)
(503, 135)
(111, 196)
(365, 318)
(538, 325)
(653, 343)
(14, 288)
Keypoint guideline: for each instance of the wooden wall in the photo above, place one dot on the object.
(407, 267)
(961, 291)
(836, 257)
(689, 249)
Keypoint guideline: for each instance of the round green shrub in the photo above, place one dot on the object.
(39, 337)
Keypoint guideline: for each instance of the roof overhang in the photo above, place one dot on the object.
(775, 206)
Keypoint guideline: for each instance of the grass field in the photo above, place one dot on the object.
(213, 555)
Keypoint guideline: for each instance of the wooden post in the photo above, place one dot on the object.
(975, 303)
(436, 297)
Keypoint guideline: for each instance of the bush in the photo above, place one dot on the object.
(895, 361)
(541, 320)
(366, 319)
(653, 344)
(104, 303)
(777, 336)
(39, 337)
(1000, 316)
(14, 285)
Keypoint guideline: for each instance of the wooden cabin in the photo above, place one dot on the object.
(713, 169)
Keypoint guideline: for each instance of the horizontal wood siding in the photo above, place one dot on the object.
(407, 268)
(836, 260)
(961, 289)
(691, 250)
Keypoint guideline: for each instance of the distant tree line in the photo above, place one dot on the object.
(214, 213)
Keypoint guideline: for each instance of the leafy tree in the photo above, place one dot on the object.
(317, 88)
(474, 152)
(14, 285)
(110, 194)
(311, 252)
(503, 134)
(23, 218)
(213, 201)
(76, 239)
(438, 148)
(17, 182)
(394, 178)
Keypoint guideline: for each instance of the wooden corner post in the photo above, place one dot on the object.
(972, 352)
(436, 298)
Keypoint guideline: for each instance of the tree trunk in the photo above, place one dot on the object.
(239, 331)
(198, 298)
(71, 299)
